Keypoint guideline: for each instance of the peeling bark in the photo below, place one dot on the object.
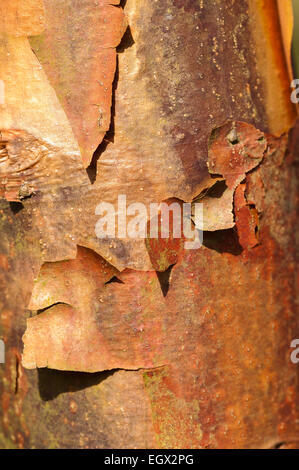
(143, 343)
(79, 58)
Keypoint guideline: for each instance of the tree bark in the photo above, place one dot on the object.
(142, 343)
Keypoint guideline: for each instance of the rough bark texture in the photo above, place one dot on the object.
(143, 343)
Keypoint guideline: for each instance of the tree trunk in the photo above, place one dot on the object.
(130, 342)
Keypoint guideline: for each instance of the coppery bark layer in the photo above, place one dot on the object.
(184, 349)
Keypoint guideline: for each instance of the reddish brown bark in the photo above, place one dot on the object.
(142, 343)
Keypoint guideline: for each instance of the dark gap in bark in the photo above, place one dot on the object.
(52, 383)
(114, 279)
(216, 175)
(126, 42)
(217, 190)
(277, 446)
(17, 375)
(223, 241)
(163, 278)
(42, 310)
(253, 207)
(280, 445)
(16, 207)
(109, 137)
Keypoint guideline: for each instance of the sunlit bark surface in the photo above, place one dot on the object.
(121, 343)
